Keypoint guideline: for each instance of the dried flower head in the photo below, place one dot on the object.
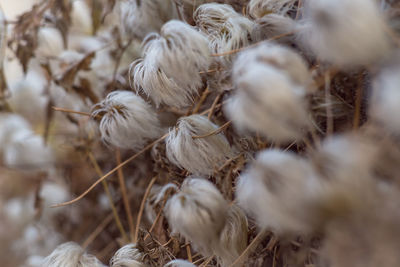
(276, 56)
(169, 71)
(272, 25)
(127, 121)
(233, 238)
(279, 189)
(197, 155)
(138, 18)
(384, 105)
(70, 254)
(179, 263)
(268, 102)
(345, 33)
(198, 213)
(225, 28)
(260, 8)
(127, 256)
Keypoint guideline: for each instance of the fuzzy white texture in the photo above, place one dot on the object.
(225, 28)
(197, 155)
(81, 18)
(127, 256)
(233, 238)
(50, 42)
(272, 25)
(169, 71)
(346, 158)
(28, 151)
(9, 125)
(384, 105)
(138, 18)
(127, 121)
(70, 254)
(345, 33)
(19, 210)
(259, 8)
(198, 212)
(279, 190)
(179, 263)
(268, 102)
(277, 56)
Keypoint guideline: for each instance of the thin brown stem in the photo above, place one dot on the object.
(97, 231)
(111, 172)
(329, 116)
(252, 245)
(357, 108)
(213, 105)
(189, 253)
(217, 131)
(201, 101)
(71, 111)
(108, 193)
(125, 199)
(139, 218)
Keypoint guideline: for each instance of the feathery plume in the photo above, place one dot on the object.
(179, 263)
(169, 71)
(70, 254)
(127, 121)
(198, 213)
(197, 155)
(260, 8)
(139, 18)
(279, 189)
(345, 33)
(225, 28)
(127, 256)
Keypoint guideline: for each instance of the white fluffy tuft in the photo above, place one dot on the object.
(127, 256)
(127, 121)
(199, 155)
(198, 213)
(169, 71)
(345, 33)
(70, 254)
(260, 8)
(179, 263)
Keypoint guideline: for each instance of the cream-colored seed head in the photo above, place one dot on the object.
(197, 155)
(260, 8)
(179, 263)
(225, 28)
(268, 102)
(127, 256)
(126, 120)
(198, 213)
(169, 71)
(279, 189)
(70, 254)
(345, 33)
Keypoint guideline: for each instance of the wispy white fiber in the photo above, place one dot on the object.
(197, 155)
(127, 256)
(169, 71)
(260, 8)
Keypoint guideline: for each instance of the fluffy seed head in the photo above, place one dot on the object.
(138, 18)
(233, 238)
(225, 28)
(279, 190)
(70, 254)
(345, 33)
(268, 102)
(127, 256)
(276, 56)
(273, 25)
(260, 8)
(156, 196)
(127, 121)
(384, 105)
(197, 155)
(169, 70)
(198, 213)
